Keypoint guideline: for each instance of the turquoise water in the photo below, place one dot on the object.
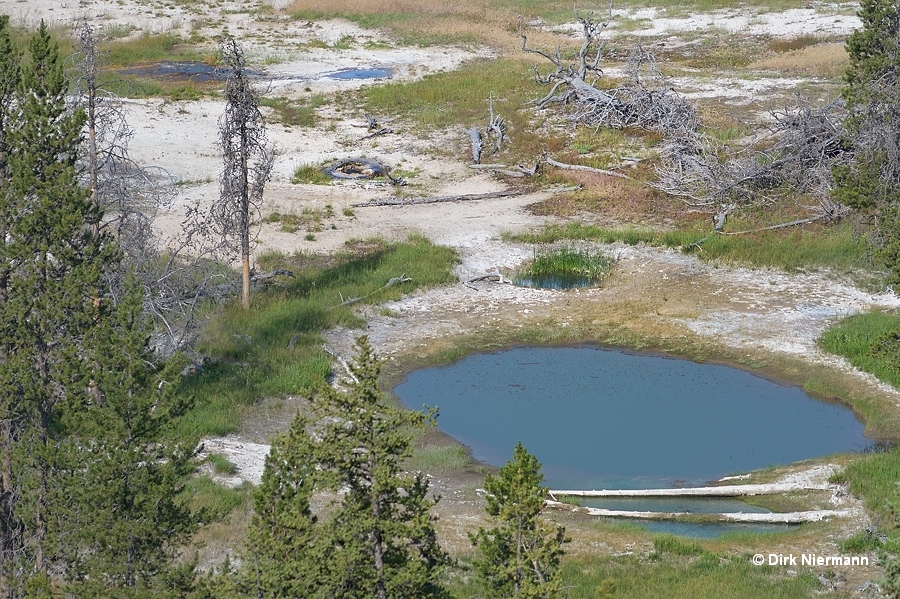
(598, 418)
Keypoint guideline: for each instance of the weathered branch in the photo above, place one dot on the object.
(579, 167)
(451, 198)
(391, 282)
(793, 223)
(342, 362)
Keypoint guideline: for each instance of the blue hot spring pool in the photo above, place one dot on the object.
(599, 418)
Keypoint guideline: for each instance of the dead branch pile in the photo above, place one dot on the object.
(644, 101)
(795, 156)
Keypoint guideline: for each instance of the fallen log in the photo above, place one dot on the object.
(451, 198)
(393, 281)
(579, 167)
(382, 131)
(267, 277)
(342, 362)
(793, 223)
(722, 491)
(772, 518)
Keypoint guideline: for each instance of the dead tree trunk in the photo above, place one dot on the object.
(247, 158)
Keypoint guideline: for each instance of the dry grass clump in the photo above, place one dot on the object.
(611, 199)
(822, 60)
(492, 23)
(370, 7)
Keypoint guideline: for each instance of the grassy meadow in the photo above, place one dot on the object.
(275, 349)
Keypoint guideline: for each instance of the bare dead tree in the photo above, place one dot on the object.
(126, 192)
(247, 161)
(174, 272)
(645, 100)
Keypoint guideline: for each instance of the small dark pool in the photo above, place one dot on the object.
(186, 71)
(353, 74)
(553, 282)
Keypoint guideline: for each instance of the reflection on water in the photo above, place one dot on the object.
(708, 530)
(694, 505)
(558, 282)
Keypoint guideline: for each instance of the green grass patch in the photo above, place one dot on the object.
(221, 464)
(460, 97)
(861, 542)
(676, 546)
(874, 478)
(312, 220)
(311, 174)
(439, 459)
(569, 264)
(296, 113)
(149, 47)
(705, 576)
(869, 342)
(834, 247)
(212, 501)
(275, 349)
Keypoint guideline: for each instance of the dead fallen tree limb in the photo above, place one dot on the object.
(488, 166)
(391, 282)
(513, 171)
(774, 518)
(718, 491)
(267, 277)
(382, 131)
(342, 362)
(492, 277)
(578, 167)
(451, 198)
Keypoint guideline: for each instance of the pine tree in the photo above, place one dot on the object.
(379, 540)
(870, 183)
(92, 479)
(123, 468)
(519, 556)
(284, 552)
(382, 537)
(10, 524)
(54, 271)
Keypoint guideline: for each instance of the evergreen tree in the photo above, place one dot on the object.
(89, 479)
(10, 524)
(519, 556)
(123, 470)
(54, 271)
(284, 558)
(382, 538)
(379, 540)
(870, 182)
